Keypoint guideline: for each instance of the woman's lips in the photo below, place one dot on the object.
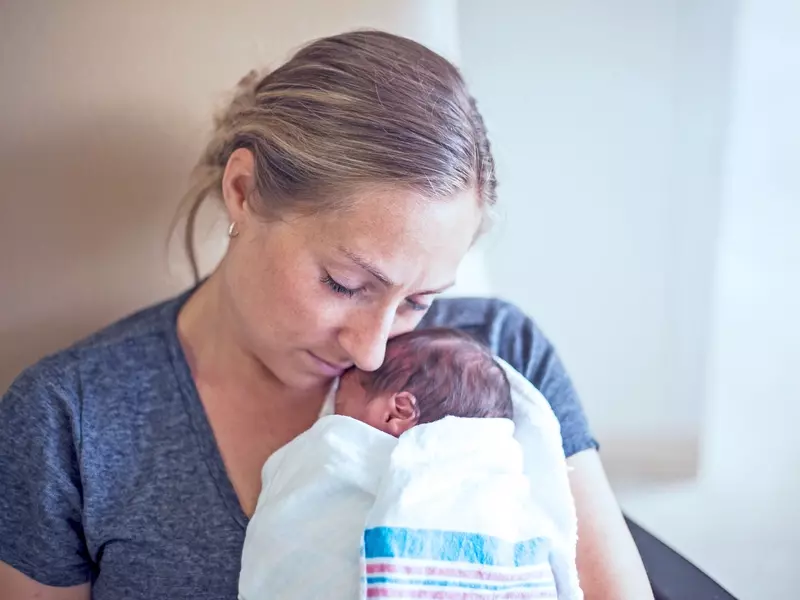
(328, 368)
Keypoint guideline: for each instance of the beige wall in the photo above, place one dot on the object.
(103, 110)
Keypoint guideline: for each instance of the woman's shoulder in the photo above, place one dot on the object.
(499, 324)
(471, 312)
(88, 419)
(124, 346)
(515, 337)
(136, 328)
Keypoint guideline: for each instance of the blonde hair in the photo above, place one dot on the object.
(364, 107)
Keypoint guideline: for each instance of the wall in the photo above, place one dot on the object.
(753, 387)
(705, 52)
(104, 109)
(607, 122)
(750, 454)
(739, 520)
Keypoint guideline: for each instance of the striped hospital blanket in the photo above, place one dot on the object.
(447, 565)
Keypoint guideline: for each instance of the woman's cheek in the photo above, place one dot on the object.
(321, 309)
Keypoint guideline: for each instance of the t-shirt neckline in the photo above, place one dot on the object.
(201, 426)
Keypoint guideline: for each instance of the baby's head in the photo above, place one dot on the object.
(426, 376)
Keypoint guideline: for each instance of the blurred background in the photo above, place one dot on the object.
(649, 159)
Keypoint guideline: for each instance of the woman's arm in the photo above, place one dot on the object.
(609, 565)
(16, 586)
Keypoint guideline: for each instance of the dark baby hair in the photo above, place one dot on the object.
(449, 373)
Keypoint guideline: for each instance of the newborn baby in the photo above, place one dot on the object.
(426, 376)
(344, 504)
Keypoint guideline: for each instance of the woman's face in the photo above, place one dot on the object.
(311, 296)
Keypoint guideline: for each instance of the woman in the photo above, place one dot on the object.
(355, 178)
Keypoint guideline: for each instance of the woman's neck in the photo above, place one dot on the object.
(218, 357)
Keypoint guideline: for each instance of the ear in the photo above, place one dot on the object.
(238, 184)
(402, 413)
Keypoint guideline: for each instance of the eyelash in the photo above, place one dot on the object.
(417, 306)
(338, 287)
(350, 293)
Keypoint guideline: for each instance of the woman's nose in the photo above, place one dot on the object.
(364, 338)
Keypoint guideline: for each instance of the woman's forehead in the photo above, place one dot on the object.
(379, 223)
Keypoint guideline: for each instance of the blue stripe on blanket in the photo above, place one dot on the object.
(453, 546)
(454, 582)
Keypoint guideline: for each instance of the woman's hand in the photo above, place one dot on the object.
(609, 565)
(16, 586)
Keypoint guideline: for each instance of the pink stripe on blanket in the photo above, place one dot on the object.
(519, 574)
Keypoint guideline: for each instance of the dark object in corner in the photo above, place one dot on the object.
(671, 575)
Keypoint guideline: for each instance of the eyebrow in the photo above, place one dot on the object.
(382, 277)
(364, 264)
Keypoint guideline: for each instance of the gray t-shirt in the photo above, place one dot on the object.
(109, 471)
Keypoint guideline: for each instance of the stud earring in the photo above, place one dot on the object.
(232, 231)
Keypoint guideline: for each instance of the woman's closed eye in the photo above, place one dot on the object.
(338, 287)
(420, 306)
(349, 292)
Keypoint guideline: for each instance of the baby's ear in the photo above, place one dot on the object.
(403, 413)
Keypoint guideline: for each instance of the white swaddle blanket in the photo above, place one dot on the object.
(457, 509)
